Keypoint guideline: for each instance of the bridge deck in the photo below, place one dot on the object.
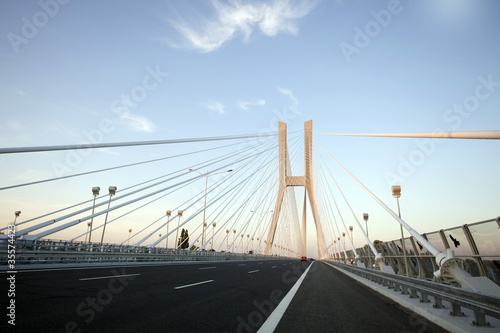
(329, 301)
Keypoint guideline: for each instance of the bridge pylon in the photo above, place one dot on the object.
(287, 180)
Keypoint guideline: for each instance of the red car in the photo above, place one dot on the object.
(303, 259)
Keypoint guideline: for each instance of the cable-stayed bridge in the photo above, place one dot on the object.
(252, 198)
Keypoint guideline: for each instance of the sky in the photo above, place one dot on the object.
(115, 71)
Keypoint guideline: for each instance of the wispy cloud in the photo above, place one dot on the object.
(295, 102)
(216, 106)
(239, 17)
(138, 123)
(244, 105)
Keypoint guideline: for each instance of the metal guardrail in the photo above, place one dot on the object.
(47, 251)
(481, 305)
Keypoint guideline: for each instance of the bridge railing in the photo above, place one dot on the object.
(50, 251)
(477, 243)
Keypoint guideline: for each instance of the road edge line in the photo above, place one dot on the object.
(275, 317)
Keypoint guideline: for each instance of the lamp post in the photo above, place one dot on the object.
(213, 234)
(396, 193)
(168, 220)
(205, 204)
(340, 254)
(227, 240)
(365, 217)
(179, 214)
(234, 235)
(112, 191)
(95, 192)
(350, 229)
(16, 213)
(248, 240)
(87, 234)
(335, 248)
(129, 233)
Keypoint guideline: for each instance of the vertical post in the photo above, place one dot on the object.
(282, 185)
(95, 192)
(168, 220)
(179, 214)
(204, 211)
(112, 191)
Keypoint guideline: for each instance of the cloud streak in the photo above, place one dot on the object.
(244, 105)
(237, 17)
(216, 106)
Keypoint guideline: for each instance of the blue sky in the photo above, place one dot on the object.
(116, 71)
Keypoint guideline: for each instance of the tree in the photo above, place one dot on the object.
(183, 242)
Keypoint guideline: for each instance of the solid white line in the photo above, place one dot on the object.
(242, 264)
(193, 284)
(107, 277)
(274, 266)
(207, 267)
(272, 321)
(253, 271)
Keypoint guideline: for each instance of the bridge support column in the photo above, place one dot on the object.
(286, 180)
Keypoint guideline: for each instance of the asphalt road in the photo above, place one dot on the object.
(329, 301)
(198, 297)
(195, 297)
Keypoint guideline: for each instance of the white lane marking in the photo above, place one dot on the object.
(272, 321)
(283, 264)
(193, 284)
(207, 267)
(274, 266)
(107, 277)
(242, 264)
(253, 271)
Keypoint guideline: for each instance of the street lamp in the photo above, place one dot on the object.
(396, 193)
(365, 217)
(234, 235)
(95, 192)
(227, 240)
(168, 220)
(112, 191)
(205, 204)
(350, 229)
(248, 240)
(16, 213)
(129, 233)
(213, 234)
(179, 214)
(87, 233)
